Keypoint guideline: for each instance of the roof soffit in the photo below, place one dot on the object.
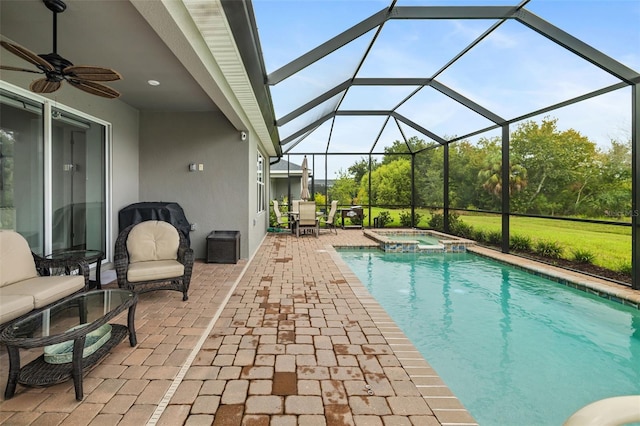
(199, 35)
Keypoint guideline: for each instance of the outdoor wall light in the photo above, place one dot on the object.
(193, 167)
(243, 136)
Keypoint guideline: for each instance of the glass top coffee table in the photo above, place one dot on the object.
(70, 320)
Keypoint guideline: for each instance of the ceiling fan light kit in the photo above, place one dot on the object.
(58, 69)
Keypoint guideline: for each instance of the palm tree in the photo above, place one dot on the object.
(491, 176)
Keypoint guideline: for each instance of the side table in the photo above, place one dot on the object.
(90, 256)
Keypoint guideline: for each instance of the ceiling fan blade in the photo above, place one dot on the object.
(95, 88)
(8, 68)
(92, 73)
(43, 85)
(27, 55)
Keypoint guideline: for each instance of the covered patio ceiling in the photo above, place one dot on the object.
(385, 71)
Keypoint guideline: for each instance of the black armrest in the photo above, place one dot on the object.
(44, 266)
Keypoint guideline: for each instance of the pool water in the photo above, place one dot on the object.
(427, 240)
(515, 348)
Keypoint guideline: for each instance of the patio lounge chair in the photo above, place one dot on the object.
(153, 255)
(281, 222)
(329, 220)
(307, 218)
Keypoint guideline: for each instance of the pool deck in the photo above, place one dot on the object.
(289, 337)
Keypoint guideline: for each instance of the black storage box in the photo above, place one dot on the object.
(223, 247)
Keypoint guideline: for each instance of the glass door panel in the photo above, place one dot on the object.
(22, 168)
(78, 183)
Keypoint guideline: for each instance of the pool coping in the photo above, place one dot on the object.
(606, 289)
(446, 407)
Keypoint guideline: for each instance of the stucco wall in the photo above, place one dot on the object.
(216, 198)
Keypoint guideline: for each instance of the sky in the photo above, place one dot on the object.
(511, 72)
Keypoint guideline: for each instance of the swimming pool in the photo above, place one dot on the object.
(515, 348)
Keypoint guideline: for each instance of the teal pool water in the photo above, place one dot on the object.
(427, 240)
(515, 348)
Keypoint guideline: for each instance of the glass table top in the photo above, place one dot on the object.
(84, 308)
(76, 254)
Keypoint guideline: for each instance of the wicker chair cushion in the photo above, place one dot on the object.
(16, 260)
(13, 306)
(45, 290)
(153, 240)
(154, 270)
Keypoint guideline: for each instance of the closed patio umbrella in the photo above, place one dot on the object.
(304, 184)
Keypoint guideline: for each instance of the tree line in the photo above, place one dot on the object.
(551, 172)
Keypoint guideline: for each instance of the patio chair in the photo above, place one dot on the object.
(295, 206)
(307, 218)
(281, 222)
(153, 255)
(329, 220)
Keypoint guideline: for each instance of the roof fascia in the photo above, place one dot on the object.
(241, 18)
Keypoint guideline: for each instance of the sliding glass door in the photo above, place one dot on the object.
(77, 182)
(52, 175)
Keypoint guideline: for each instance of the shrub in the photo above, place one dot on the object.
(550, 249)
(494, 237)
(417, 217)
(520, 243)
(479, 235)
(405, 218)
(583, 256)
(437, 221)
(462, 229)
(383, 218)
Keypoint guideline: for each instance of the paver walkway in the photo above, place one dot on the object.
(290, 337)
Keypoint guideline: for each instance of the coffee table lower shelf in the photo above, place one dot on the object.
(39, 373)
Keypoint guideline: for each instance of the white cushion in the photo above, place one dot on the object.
(154, 270)
(45, 290)
(153, 240)
(12, 306)
(16, 260)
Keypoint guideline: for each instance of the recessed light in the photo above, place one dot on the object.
(153, 82)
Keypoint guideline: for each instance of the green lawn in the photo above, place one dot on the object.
(610, 244)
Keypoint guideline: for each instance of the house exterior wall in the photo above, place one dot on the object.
(280, 187)
(220, 197)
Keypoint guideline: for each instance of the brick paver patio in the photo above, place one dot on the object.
(290, 337)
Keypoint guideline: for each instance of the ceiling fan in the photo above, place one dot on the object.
(58, 69)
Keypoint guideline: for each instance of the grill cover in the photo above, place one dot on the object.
(155, 210)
